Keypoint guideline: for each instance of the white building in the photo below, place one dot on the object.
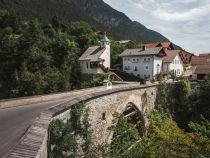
(145, 63)
(173, 62)
(96, 59)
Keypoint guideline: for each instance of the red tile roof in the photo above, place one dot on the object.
(202, 63)
(202, 69)
(165, 44)
(158, 44)
(200, 60)
(171, 54)
(152, 45)
(202, 55)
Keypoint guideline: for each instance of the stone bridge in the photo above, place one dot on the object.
(133, 100)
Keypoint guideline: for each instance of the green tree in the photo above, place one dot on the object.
(125, 135)
(199, 101)
(116, 50)
(162, 95)
(166, 139)
(83, 33)
(64, 137)
(55, 22)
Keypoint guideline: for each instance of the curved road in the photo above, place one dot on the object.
(15, 121)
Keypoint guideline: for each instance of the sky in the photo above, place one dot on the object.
(184, 22)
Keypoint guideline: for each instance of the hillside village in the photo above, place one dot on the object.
(70, 89)
(148, 62)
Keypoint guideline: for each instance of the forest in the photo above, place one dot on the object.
(38, 59)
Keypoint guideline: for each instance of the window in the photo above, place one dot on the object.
(158, 68)
(135, 68)
(128, 59)
(146, 68)
(147, 59)
(127, 67)
(146, 76)
(134, 60)
(87, 65)
(125, 59)
(138, 59)
(178, 72)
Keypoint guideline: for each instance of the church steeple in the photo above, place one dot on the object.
(105, 41)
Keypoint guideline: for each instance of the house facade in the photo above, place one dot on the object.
(145, 63)
(96, 59)
(173, 62)
(186, 56)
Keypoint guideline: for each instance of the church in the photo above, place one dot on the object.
(96, 59)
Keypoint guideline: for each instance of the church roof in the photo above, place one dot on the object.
(93, 54)
(141, 52)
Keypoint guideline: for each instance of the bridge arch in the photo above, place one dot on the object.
(135, 116)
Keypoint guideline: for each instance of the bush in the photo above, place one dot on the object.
(160, 77)
(142, 81)
(94, 80)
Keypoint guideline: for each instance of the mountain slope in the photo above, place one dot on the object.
(97, 13)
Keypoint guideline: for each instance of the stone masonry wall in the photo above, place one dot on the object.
(144, 99)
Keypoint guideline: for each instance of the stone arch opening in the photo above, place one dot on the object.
(135, 116)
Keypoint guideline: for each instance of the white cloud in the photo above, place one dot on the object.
(184, 22)
(193, 14)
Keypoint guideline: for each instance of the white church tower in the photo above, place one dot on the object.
(105, 43)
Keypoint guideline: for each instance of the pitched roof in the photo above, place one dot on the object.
(124, 41)
(204, 55)
(200, 60)
(140, 52)
(152, 45)
(202, 69)
(202, 63)
(170, 55)
(92, 53)
(158, 44)
(165, 44)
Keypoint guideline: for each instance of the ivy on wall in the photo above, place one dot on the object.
(73, 138)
